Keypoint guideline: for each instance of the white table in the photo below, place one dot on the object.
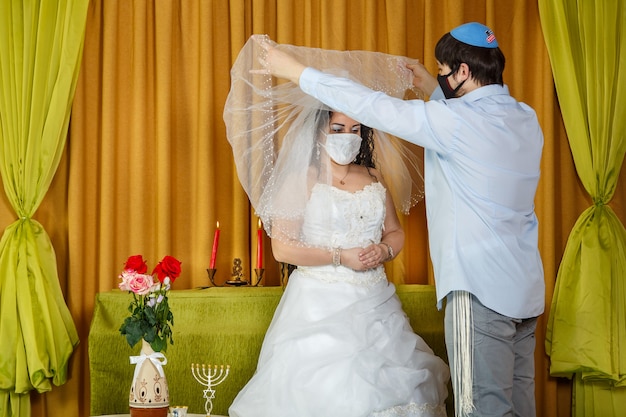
(188, 415)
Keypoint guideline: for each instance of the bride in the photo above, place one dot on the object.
(339, 343)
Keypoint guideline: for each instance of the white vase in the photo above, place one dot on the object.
(149, 393)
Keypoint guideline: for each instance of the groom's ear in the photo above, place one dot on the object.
(464, 72)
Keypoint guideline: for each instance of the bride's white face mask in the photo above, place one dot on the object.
(342, 147)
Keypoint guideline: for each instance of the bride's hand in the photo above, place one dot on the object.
(362, 259)
(373, 255)
(350, 258)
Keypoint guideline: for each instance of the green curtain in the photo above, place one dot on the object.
(40, 50)
(586, 334)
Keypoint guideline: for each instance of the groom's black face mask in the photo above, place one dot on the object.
(448, 91)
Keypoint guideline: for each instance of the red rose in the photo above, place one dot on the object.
(136, 263)
(168, 267)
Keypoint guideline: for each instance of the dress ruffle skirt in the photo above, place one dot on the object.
(342, 346)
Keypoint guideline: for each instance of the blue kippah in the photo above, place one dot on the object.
(475, 34)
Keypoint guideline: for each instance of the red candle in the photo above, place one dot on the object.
(216, 241)
(259, 246)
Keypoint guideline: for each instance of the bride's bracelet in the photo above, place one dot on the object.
(336, 256)
(389, 251)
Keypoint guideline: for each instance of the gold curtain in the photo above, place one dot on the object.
(40, 51)
(586, 333)
(148, 170)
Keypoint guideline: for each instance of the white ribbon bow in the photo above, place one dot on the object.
(157, 358)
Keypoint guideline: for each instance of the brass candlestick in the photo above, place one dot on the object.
(259, 276)
(211, 272)
(238, 274)
(285, 271)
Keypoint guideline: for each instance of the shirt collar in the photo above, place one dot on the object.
(484, 91)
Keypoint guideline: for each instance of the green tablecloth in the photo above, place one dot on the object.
(217, 326)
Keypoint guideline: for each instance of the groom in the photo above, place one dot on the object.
(482, 159)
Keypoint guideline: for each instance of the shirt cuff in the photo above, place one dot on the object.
(309, 79)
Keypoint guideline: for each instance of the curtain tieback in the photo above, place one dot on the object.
(599, 201)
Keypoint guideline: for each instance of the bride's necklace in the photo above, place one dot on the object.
(341, 181)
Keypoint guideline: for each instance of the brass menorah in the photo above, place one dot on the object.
(209, 377)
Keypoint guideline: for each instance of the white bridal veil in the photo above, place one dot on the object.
(273, 127)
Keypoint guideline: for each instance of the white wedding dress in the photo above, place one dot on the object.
(339, 343)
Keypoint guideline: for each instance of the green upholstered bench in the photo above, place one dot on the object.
(216, 326)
